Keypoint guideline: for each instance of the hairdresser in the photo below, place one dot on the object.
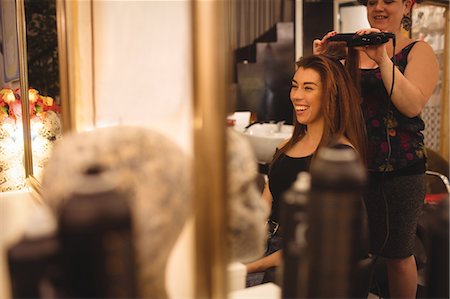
(392, 100)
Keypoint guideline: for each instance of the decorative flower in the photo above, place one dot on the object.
(16, 109)
(44, 104)
(33, 95)
(8, 99)
(7, 95)
(11, 109)
(45, 126)
(48, 101)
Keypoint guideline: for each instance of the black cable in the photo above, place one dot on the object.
(378, 289)
(388, 110)
(388, 139)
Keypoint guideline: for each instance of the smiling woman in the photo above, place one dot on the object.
(327, 114)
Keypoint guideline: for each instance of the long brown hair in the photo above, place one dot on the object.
(340, 106)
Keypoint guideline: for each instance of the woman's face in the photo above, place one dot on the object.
(387, 14)
(306, 96)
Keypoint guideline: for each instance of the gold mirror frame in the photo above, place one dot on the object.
(66, 102)
(212, 65)
(64, 85)
(23, 69)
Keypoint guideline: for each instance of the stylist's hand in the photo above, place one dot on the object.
(319, 45)
(377, 52)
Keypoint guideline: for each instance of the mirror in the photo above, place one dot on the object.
(12, 172)
(41, 83)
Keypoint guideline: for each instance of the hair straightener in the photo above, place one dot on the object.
(355, 40)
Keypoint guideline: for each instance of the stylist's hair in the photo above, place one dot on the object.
(340, 105)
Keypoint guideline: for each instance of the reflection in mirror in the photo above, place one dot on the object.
(12, 172)
(43, 80)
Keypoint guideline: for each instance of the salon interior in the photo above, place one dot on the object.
(91, 88)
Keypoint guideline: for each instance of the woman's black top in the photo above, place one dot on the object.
(283, 173)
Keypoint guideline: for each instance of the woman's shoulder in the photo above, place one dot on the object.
(420, 60)
(282, 143)
(419, 48)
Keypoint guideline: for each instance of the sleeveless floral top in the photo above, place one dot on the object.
(383, 119)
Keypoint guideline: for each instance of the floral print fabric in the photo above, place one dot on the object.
(395, 141)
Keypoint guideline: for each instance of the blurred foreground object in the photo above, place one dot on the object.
(323, 239)
(121, 196)
(248, 212)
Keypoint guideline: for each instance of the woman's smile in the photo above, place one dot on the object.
(300, 108)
